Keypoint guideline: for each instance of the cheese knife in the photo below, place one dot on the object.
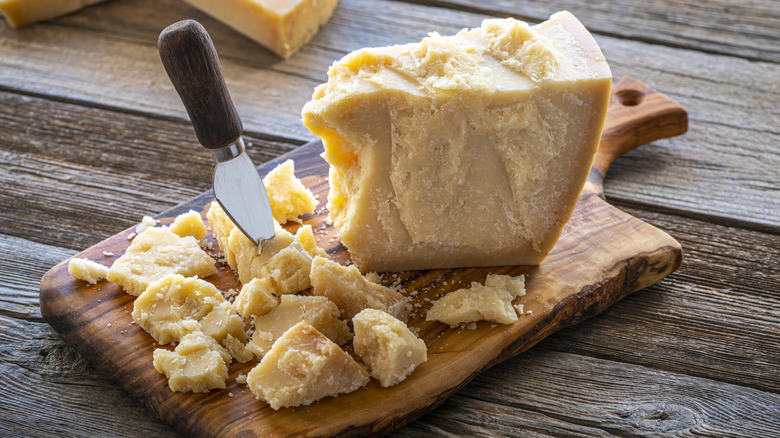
(192, 65)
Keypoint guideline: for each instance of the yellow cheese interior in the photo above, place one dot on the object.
(280, 25)
(469, 150)
(175, 306)
(198, 364)
(20, 13)
(155, 253)
(489, 302)
(289, 198)
(387, 346)
(346, 286)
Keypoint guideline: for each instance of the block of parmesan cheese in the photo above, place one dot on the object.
(280, 25)
(302, 367)
(20, 13)
(468, 150)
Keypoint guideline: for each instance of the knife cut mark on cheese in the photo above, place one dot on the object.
(469, 150)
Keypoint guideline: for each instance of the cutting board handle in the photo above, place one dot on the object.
(638, 115)
(191, 62)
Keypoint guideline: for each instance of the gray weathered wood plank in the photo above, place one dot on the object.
(550, 393)
(731, 101)
(88, 173)
(718, 316)
(746, 29)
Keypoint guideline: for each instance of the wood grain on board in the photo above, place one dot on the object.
(602, 256)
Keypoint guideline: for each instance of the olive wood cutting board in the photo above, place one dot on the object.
(602, 256)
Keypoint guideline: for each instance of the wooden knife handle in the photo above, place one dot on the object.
(192, 65)
(638, 115)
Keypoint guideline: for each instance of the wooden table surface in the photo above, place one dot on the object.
(92, 137)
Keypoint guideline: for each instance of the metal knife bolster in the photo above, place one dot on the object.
(229, 152)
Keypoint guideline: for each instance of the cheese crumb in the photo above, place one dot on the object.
(491, 302)
(87, 270)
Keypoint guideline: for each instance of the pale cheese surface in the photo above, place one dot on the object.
(283, 26)
(302, 367)
(346, 286)
(320, 312)
(387, 346)
(155, 253)
(87, 270)
(287, 194)
(198, 364)
(489, 302)
(20, 13)
(189, 224)
(175, 306)
(466, 150)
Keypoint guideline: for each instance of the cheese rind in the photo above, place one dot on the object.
(87, 270)
(280, 25)
(155, 253)
(346, 286)
(491, 302)
(469, 150)
(175, 306)
(287, 194)
(302, 367)
(20, 13)
(387, 346)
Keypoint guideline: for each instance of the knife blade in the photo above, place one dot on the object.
(191, 62)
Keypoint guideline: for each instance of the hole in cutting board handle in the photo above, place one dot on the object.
(630, 97)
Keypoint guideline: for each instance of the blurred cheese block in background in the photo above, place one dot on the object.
(20, 13)
(280, 25)
(469, 150)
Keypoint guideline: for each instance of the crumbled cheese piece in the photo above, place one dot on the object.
(320, 312)
(387, 346)
(189, 224)
(302, 367)
(289, 198)
(491, 302)
(87, 270)
(237, 349)
(352, 293)
(461, 151)
(256, 298)
(175, 305)
(285, 260)
(155, 253)
(198, 364)
(146, 223)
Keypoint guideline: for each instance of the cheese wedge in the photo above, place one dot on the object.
(280, 25)
(469, 150)
(20, 13)
(302, 367)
